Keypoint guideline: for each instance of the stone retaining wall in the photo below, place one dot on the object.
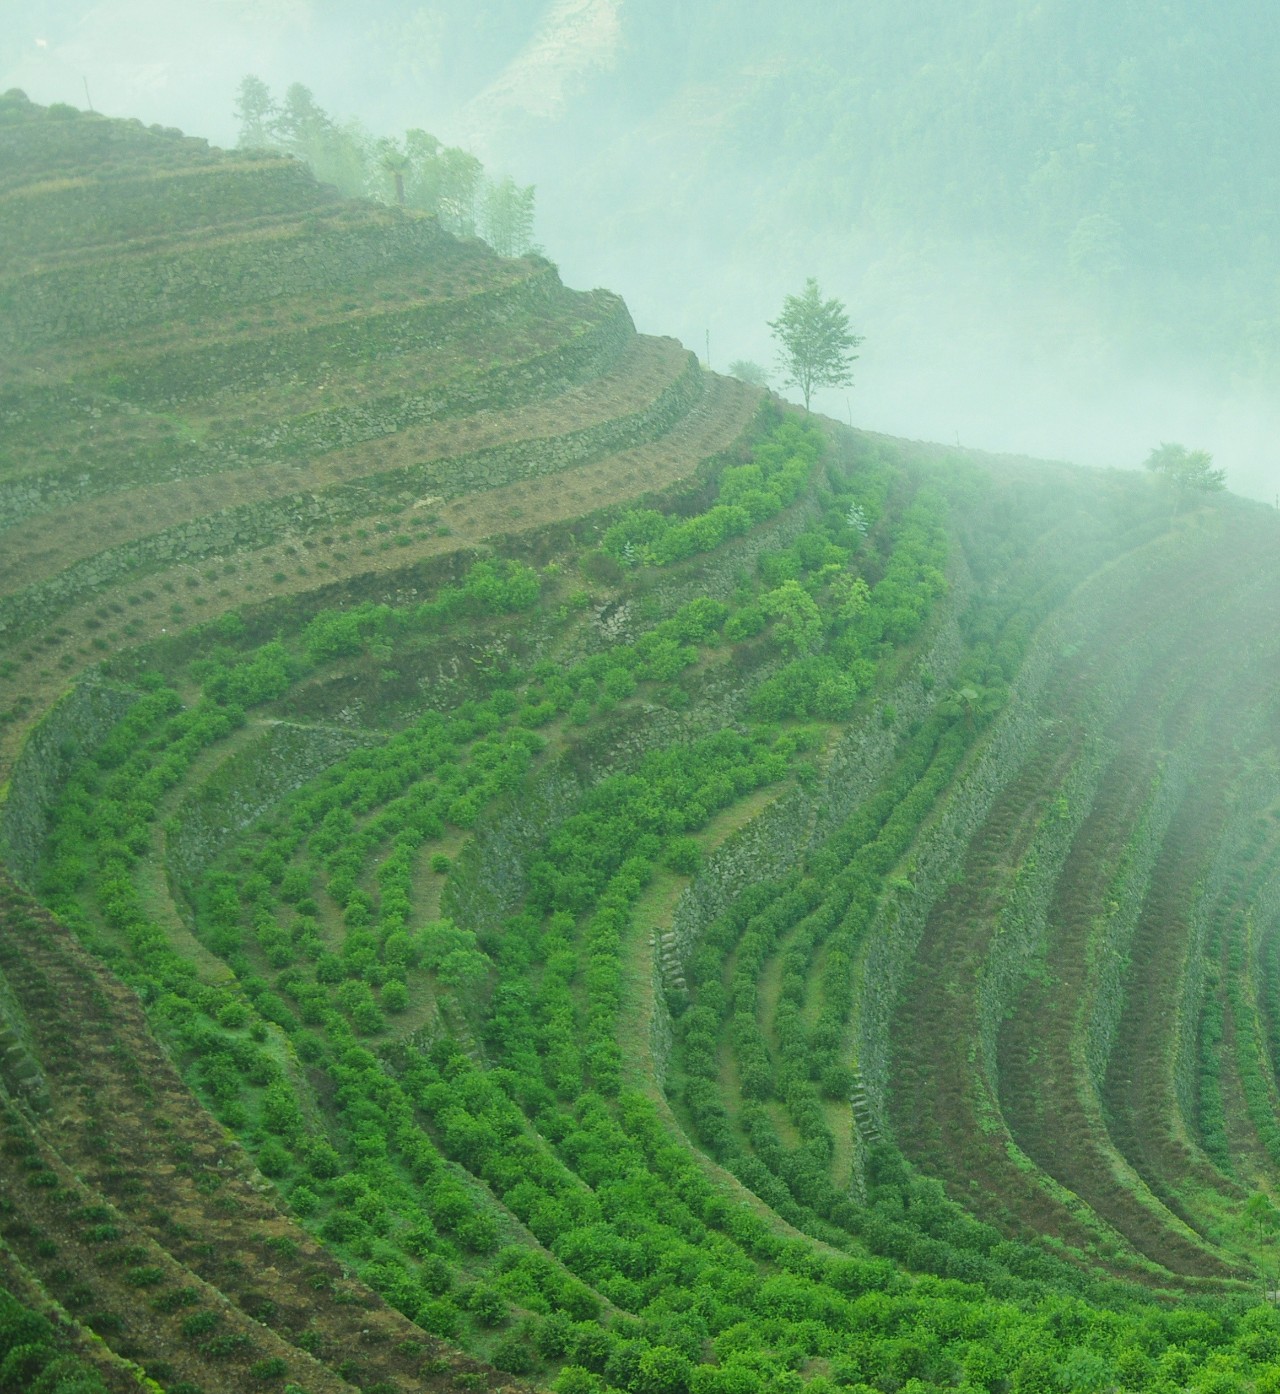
(278, 759)
(117, 295)
(277, 520)
(76, 724)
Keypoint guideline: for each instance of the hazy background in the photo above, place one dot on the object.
(1057, 224)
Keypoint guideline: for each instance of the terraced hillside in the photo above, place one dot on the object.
(222, 383)
(526, 863)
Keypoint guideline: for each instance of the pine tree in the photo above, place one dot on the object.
(256, 114)
(508, 217)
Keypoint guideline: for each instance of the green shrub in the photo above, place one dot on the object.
(394, 996)
(200, 1324)
(304, 1200)
(486, 1304)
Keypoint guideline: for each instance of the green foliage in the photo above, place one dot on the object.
(33, 1355)
(797, 623)
(507, 1102)
(812, 686)
(748, 494)
(1189, 472)
(490, 588)
(452, 954)
(816, 345)
(598, 863)
(415, 171)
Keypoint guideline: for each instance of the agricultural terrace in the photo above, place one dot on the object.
(528, 865)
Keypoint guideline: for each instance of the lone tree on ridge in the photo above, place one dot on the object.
(1189, 471)
(816, 345)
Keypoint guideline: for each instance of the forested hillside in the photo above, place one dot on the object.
(1125, 154)
(530, 864)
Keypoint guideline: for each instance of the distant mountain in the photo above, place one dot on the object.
(1057, 224)
(1128, 153)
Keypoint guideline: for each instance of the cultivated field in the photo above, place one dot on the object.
(530, 864)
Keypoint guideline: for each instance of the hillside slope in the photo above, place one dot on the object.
(526, 862)
(223, 383)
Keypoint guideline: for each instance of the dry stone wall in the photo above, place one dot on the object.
(263, 524)
(117, 295)
(79, 722)
(280, 758)
(488, 881)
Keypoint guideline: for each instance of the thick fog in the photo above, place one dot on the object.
(944, 360)
(659, 165)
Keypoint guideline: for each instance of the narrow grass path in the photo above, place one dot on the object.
(151, 873)
(641, 1071)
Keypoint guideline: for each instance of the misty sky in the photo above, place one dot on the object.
(1020, 369)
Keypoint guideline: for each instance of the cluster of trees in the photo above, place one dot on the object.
(1187, 472)
(831, 625)
(415, 171)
